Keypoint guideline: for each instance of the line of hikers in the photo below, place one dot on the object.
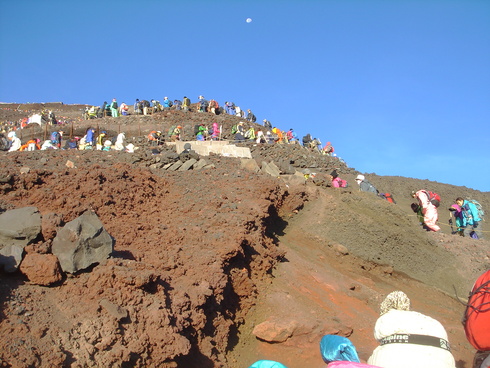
(269, 135)
(467, 213)
(88, 141)
(147, 107)
(240, 133)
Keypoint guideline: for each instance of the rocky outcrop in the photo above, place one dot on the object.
(82, 243)
(18, 228)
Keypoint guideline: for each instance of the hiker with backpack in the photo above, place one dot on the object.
(177, 105)
(239, 112)
(186, 104)
(175, 134)
(203, 104)
(267, 124)
(100, 140)
(155, 138)
(4, 143)
(365, 185)
(306, 140)
(240, 132)
(90, 137)
(336, 181)
(277, 135)
(167, 104)
(137, 107)
(215, 134)
(114, 108)
(230, 108)
(123, 109)
(472, 216)
(455, 212)
(156, 106)
(71, 143)
(104, 110)
(409, 339)
(55, 138)
(145, 105)
(427, 204)
(214, 107)
(328, 149)
(250, 134)
(251, 117)
(315, 145)
(260, 136)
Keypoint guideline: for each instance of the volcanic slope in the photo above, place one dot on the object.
(204, 256)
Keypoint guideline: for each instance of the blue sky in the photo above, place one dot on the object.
(399, 87)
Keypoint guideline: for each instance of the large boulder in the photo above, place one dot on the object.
(18, 228)
(82, 243)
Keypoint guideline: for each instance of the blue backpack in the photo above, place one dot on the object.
(481, 211)
(55, 137)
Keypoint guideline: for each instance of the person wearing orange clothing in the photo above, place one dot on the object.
(31, 145)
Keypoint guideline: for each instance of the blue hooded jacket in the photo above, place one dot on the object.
(337, 348)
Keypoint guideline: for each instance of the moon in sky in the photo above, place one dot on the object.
(249, 20)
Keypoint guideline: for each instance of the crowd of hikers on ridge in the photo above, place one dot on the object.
(241, 132)
(465, 214)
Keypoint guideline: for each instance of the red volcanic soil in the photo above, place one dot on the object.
(202, 257)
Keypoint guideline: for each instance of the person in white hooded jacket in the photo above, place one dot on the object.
(409, 339)
(16, 143)
(119, 145)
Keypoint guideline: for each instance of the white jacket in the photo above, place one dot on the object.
(406, 355)
(16, 144)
